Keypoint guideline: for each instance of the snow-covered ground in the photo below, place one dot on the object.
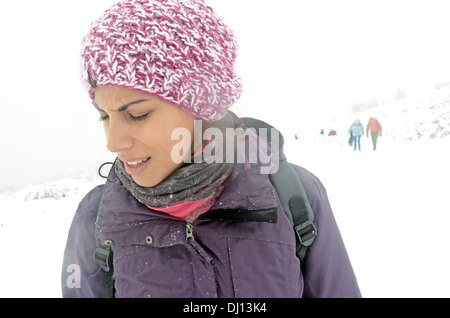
(390, 204)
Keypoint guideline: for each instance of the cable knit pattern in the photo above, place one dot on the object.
(178, 50)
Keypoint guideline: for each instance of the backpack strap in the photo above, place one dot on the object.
(292, 195)
(103, 255)
(296, 205)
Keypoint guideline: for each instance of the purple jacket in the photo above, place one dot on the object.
(244, 246)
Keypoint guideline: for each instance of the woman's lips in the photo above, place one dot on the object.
(136, 167)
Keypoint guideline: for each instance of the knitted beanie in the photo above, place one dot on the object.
(178, 50)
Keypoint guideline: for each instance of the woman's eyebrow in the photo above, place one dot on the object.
(122, 108)
(96, 107)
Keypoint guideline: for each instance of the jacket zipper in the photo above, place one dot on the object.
(191, 240)
(211, 277)
(189, 231)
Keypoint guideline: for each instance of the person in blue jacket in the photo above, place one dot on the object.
(160, 73)
(356, 130)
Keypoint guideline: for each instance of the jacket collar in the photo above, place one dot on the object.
(248, 196)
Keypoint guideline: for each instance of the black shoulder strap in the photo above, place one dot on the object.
(103, 256)
(292, 195)
(296, 205)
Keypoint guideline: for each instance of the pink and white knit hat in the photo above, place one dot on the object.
(179, 50)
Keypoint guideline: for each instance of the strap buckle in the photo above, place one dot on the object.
(306, 233)
(103, 257)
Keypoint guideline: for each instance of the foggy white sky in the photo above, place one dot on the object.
(299, 60)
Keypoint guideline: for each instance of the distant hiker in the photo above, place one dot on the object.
(356, 130)
(296, 137)
(332, 133)
(375, 130)
(321, 132)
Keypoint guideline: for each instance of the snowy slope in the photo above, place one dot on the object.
(419, 117)
(390, 204)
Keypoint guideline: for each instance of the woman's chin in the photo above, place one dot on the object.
(149, 181)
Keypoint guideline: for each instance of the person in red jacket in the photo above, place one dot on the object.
(375, 130)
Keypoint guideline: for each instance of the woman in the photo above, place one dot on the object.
(204, 222)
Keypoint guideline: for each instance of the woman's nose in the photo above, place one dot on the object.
(118, 138)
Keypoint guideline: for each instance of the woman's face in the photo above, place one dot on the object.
(138, 128)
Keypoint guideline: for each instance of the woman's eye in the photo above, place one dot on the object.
(137, 118)
(103, 118)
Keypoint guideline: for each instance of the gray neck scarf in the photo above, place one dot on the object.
(191, 182)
